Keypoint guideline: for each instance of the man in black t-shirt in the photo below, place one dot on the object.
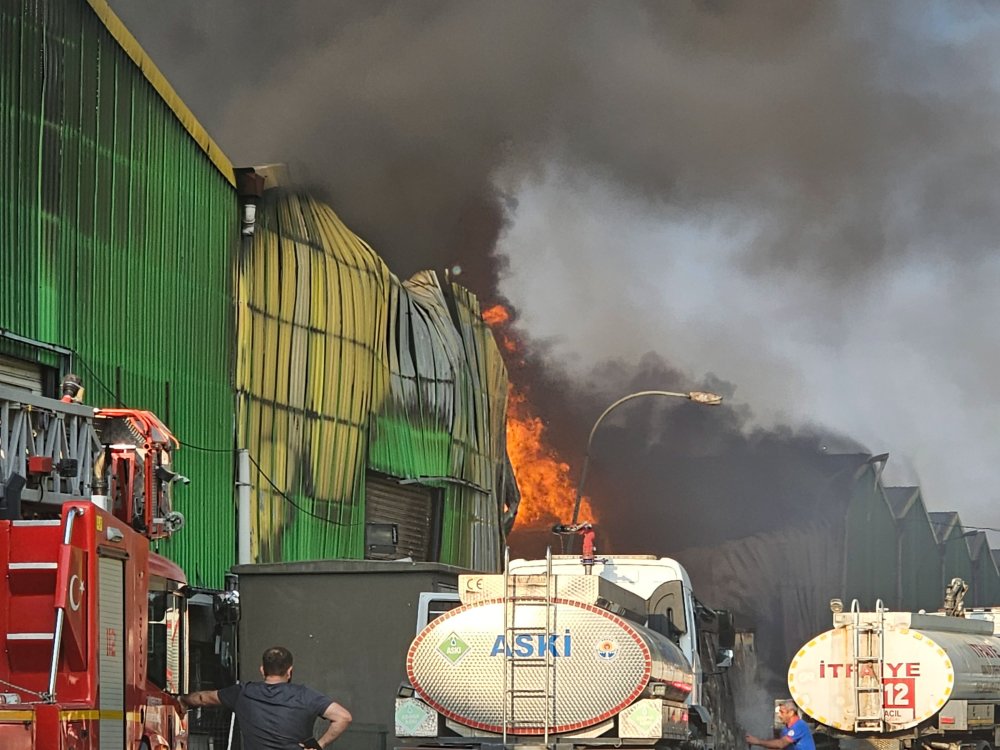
(276, 714)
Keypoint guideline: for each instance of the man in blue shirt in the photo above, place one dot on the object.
(795, 732)
(276, 714)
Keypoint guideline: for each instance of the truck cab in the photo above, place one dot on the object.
(672, 608)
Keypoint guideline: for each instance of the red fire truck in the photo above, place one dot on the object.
(92, 621)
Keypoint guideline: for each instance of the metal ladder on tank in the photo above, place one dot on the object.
(512, 603)
(866, 674)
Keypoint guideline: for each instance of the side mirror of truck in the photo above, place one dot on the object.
(405, 690)
(727, 628)
(226, 607)
(724, 658)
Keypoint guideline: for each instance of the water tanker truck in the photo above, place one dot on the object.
(904, 680)
(545, 655)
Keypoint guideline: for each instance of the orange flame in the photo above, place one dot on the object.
(496, 315)
(548, 493)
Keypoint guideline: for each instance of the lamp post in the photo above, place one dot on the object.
(699, 397)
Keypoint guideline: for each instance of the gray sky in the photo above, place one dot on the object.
(798, 199)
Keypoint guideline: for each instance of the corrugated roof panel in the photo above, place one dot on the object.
(944, 523)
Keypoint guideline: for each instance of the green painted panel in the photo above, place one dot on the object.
(402, 448)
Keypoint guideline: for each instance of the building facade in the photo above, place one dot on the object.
(372, 409)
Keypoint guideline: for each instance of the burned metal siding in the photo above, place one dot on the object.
(481, 458)
(443, 422)
(342, 369)
(311, 322)
(117, 228)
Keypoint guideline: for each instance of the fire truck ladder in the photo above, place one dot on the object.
(866, 675)
(46, 449)
(528, 667)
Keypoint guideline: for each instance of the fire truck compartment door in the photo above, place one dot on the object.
(110, 646)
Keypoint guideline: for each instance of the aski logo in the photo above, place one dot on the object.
(526, 645)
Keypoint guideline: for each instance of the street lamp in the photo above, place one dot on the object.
(964, 535)
(699, 397)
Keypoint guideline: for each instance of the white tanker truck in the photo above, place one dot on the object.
(904, 680)
(545, 655)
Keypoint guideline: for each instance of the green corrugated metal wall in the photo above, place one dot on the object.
(991, 580)
(920, 562)
(116, 235)
(870, 549)
(985, 584)
(342, 368)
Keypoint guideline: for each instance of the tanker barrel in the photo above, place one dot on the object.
(595, 662)
(909, 666)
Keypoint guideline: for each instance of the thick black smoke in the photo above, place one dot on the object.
(828, 119)
(666, 474)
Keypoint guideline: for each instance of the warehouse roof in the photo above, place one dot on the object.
(944, 522)
(901, 499)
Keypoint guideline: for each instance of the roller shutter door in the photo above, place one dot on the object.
(111, 643)
(410, 507)
(21, 374)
